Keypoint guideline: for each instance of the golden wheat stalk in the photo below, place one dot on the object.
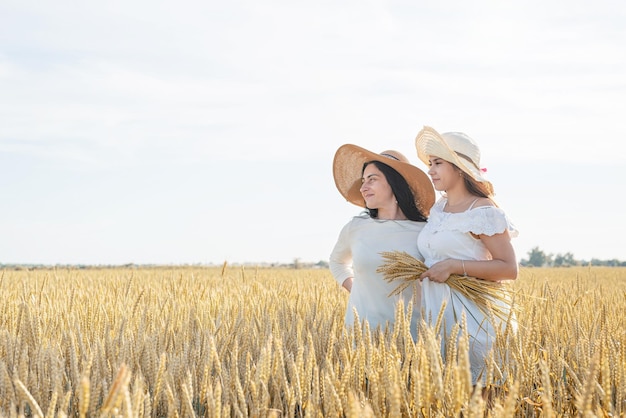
(489, 297)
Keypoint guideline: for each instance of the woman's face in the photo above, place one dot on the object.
(443, 174)
(375, 189)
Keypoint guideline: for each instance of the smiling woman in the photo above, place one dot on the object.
(395, 195)
(467, 234)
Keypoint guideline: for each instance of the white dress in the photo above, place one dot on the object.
(357, 254)
(448, 235)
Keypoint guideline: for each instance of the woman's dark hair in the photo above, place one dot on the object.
(400, 188)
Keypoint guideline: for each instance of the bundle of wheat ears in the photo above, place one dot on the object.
(489, 297)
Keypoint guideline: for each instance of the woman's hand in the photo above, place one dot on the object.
(439, 272)
(347, 284)
(502, 266)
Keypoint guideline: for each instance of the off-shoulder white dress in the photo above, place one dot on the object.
(449, 235)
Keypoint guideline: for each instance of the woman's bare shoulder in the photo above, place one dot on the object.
(484, 201)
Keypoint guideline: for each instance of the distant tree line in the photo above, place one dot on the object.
(538, 258)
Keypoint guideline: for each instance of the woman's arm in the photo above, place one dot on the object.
(502, 266)
(340, 261)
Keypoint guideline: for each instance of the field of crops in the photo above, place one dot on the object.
(271, 342)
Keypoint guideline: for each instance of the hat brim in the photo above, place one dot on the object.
(430, 143)
(347, 170)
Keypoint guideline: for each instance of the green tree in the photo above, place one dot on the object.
(564, 260)
(536, 257)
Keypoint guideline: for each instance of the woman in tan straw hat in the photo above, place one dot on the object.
(467, 234)
(396, 196)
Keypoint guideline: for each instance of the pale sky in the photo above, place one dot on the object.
(204, 131)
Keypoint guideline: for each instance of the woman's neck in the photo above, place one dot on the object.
(394, 213)
(459, 200)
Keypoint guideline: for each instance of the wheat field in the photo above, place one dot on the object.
(257, 342)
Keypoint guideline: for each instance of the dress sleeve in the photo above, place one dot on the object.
(489, 220)
(340, 261)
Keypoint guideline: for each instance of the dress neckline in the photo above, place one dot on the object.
(471, 206)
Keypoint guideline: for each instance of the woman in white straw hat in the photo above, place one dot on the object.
(467, 234)
(397, 197)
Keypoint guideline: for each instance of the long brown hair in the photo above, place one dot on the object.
(477, 188)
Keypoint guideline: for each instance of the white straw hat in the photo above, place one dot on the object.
(455, 147)
(348, 167)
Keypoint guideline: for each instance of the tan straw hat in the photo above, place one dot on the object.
(348, 167)
(455, 147)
